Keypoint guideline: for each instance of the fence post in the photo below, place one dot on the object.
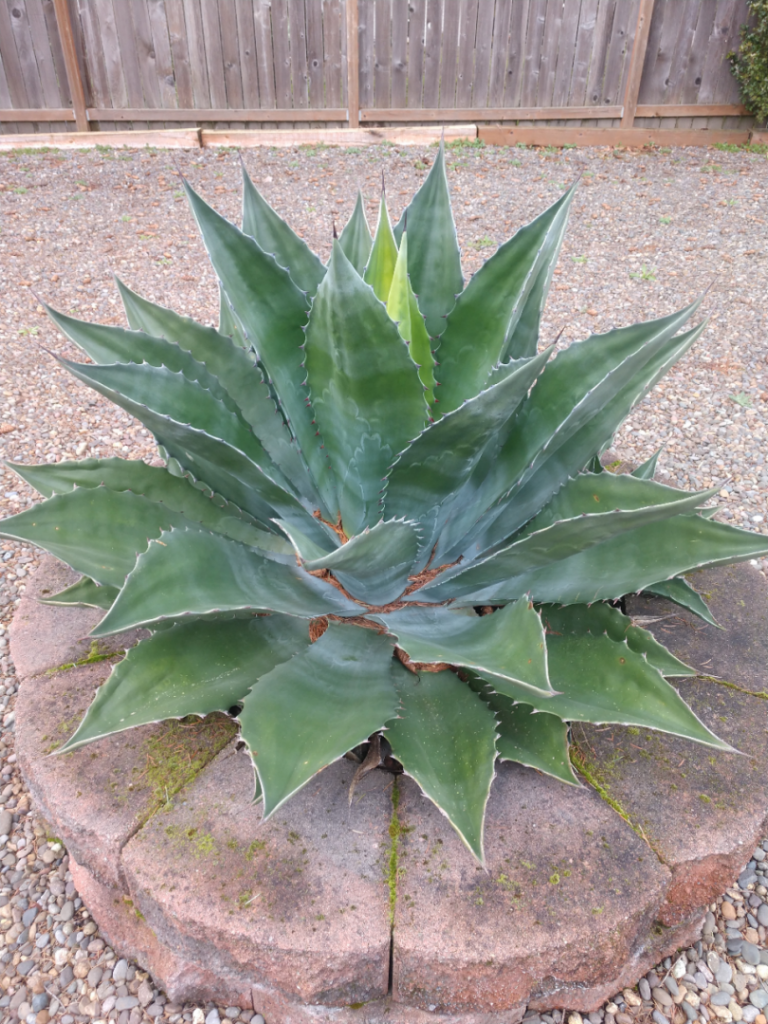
(353, 65)
(636, 61)
(74, 80)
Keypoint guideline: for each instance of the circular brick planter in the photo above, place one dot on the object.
(317, 916)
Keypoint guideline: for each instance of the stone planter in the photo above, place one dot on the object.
(375, 912)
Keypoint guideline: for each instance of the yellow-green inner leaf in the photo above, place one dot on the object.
(381, 265)
(404, 310)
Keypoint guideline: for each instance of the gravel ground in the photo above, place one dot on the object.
(649, 232)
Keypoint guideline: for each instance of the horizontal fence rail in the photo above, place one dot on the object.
(79, 65)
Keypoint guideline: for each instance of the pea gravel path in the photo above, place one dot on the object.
(649, 232)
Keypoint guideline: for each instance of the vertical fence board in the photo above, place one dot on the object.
(500, 55)
(399, 84)
(450, 54)
(57, 53)
(430, 92)
(196, 48)
(315, 61)
(365, 34)
(416, 30)
(552, 44)
(691, 85)
(97, 81)
(561, 87)
(466, 66)
(724, 86)
(210, 40)
(298, 50)
(265, 59)
(483, 47)
(127, 54)
(382, 52)
(53, 91)
(160, 33)
(513, 78)
(177, 38)
(145, 48)
(534, 35)
(230, 52)
(282, 55)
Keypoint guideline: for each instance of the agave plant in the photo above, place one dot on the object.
(382, 510)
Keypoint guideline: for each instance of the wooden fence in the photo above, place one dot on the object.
(108, 64)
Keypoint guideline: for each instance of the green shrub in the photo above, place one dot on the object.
(750, 63)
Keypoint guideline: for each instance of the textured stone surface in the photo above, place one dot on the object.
(99, 795)
(292, 916)
(568, 900)
(702, 810)
(300, 902)
(45, 636)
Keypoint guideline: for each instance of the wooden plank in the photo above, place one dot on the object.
(265, 61)
(550, 48)
(636, 61)
(430, 93)
(569, 35)
(382, 51)
(338, 136)
(5, 102)
(163, 59)
(673, 86)
(416, 42)
(618, 51)
(466, 57)
(180, 138)
(106, 39)
(691, 85)
(53, 93)
(128, 55)
(450, 55)
(57, 53)
(489, 113)
(483, 48)
(282, 54)
(298, 48)
(147, 57)
(214, 55)
(398, 87)
(266, 114)
(353, 64)
(513, 82)
(691, 110)
(599, 54)
(499, 54)
(758, 138)
(198, 64)
(334, 51)
(246, 43)
(230, 53)
(96, 66)
(177, 35)
(534, 36)
(12, 114)
(499, 136)
(10, 60)
(725, 88)
(315, 57)
(27, 56)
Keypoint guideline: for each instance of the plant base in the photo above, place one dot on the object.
(374, 912)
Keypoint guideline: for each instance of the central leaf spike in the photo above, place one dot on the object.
(404, 310)
(381, 265)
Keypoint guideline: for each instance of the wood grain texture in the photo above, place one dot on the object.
(184, 138)
(353, 62)
(544, 136)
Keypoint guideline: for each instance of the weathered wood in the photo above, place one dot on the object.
(450, 54)
(161, 47)
(334, 52)
(636, 61)
(430, 91)
(338, 136)
(180, 138)
(536, 136)
(262, 23)
(314, 50)
(399, 85)
(219, 114)
(353, 64)
(690, 110)
(483, 50)
(489, 113)
(36, 114)
(513, 77)
(382, 48)
(416, 41)
(467, 32)
(97, 72)
(128, 56)
(177, 35)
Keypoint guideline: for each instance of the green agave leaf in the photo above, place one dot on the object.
(510, 643)
(682, 593)
(523, 338)
(306, 547)
(355, 240)
(227, 324)
(537, 553)
(375, 565)
(109, 345)
(184, 400)
(381, 263)
(435, 472)
(85, 592)
(647, 469)
(577, 405)
(531, 737)
(446, 740)
(434, 261)
(156, 484)
(632, 562)
(601, 681)
(272, 312)
(223, 467)
(236, 370)
(328, 699)
(365, 390)
(96, 531)
(274, 236)
(503, 370)
(484, 326)
(190, 573)
(599, 619)
(404, 310)
(192, 668)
